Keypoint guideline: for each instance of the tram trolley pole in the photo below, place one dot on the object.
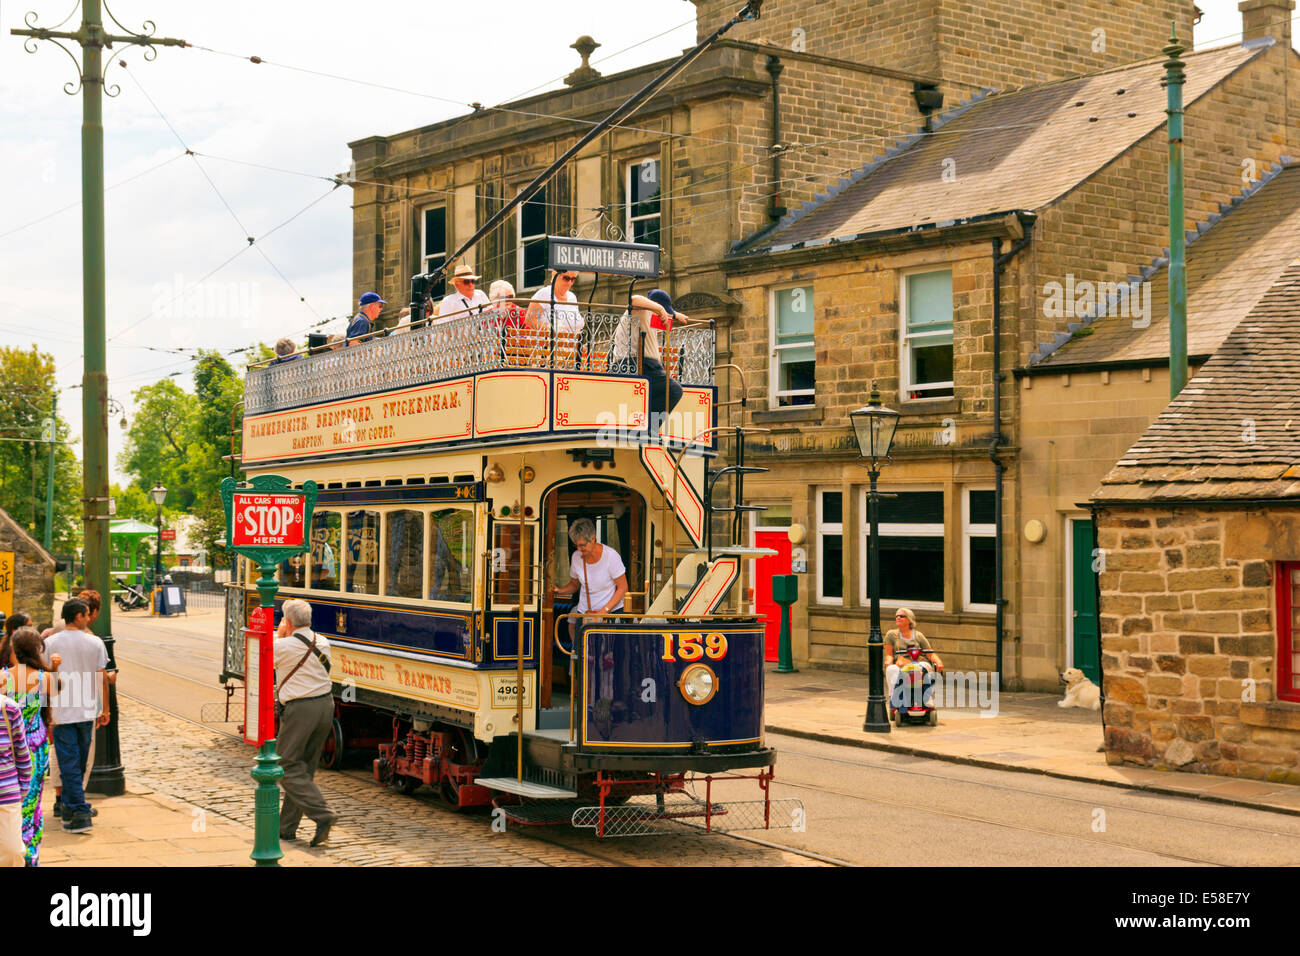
(266, 522)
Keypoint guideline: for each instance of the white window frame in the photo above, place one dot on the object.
(628, 218)
(824, 529)
(425, 260)
(905, 384)
(895, 530)
(774, 364)
(969, 531)
(520, 239)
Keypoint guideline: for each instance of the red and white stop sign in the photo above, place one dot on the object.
(269, 520)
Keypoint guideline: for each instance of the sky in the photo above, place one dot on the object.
(174, 220)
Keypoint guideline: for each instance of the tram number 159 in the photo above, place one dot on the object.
(691, 647)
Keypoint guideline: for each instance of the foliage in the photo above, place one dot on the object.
(180, 438)
(28, 392)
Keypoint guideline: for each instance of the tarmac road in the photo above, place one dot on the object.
(858, 806)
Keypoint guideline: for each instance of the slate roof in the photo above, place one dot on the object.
(1021, 149)
(1234, 431)
(1231, 262)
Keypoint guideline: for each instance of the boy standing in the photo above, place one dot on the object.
(79, 706)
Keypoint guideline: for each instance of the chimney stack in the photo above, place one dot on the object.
(1261, 18)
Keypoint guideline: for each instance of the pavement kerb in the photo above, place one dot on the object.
(1017, 768)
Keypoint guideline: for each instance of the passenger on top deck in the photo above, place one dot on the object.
(467, 298)
(567, 316)
(284, 351)
(364, 321)
(649, 313)
(502, 294)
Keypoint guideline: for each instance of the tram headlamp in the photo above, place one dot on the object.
(698, 684)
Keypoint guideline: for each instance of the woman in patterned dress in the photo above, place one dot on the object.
(32, 687)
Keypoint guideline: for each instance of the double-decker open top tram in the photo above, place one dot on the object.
(452, 461)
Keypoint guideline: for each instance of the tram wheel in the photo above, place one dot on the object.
(331, 757)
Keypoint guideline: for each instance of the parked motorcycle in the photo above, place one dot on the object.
(132, 596)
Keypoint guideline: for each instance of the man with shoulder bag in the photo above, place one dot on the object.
(305, 706)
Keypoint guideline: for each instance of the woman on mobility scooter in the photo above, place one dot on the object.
(903, 640)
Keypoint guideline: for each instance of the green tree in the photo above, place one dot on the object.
(28, 391)
(180, 439)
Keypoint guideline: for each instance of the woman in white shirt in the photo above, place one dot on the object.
(596, 571)
(567, 316)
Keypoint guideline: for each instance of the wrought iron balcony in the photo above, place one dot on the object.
(463, 345)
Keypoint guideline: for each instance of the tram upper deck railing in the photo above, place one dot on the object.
(463, 345)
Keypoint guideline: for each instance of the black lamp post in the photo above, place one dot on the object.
(875, 427)
(159, 495)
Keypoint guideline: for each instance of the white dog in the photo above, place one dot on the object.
(1079, 691)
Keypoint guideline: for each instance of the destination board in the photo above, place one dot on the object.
(609, 258)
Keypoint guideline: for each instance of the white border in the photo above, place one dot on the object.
(424, 260)
(969, 531)
(825, 529)
(628, 218)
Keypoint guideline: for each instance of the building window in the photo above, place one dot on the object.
(531, 241)
(830, 547)
(793, 361)
(1287, 580)
(911, 549)
(643, 195)
(979, 551)
(925, 364)
(433, 238)
(363, 552)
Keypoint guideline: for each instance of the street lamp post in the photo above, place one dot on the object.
(875, 427)
(159, 495)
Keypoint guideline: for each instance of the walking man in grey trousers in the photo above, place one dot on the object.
(303, 688)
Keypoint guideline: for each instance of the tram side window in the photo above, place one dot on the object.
(405, 553)
(505, 566)
(326, 549)
(293, 572)
(451, 555)
(363, 552)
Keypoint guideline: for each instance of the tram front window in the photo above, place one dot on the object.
(405, 545)
(451, 540)
(293, 572)
(326, 541)
(363, 552)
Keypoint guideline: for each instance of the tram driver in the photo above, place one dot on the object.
(596, 571)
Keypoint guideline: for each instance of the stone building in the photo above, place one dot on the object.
(891, 278)
(728, 168)
(32, 570)
(1199, 523)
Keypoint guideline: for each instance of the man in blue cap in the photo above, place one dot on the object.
(363, 324)
(649, 313)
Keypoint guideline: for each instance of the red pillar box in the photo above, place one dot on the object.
(259, 677)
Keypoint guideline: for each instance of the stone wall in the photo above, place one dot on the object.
(1189, 640)
(33, 571)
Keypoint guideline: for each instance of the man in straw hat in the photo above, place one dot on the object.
(467, 297)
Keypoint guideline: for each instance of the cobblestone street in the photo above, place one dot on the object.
(379, 827)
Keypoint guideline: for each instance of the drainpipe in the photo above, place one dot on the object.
(1000, 262)
(1173, 83)
(776, 209)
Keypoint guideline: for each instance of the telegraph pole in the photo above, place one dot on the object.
(49, 475)
(107, 776)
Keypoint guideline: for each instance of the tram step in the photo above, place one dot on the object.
(526, 788)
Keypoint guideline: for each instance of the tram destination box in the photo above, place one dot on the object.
(633, 259)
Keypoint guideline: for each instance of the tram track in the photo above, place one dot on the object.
(432, 801)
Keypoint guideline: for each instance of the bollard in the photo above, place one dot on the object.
(785, 591)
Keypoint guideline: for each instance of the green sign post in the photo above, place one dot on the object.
(267, 522)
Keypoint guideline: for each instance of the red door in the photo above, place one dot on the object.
(765, 567)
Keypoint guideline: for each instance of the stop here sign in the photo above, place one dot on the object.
(268, 520)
